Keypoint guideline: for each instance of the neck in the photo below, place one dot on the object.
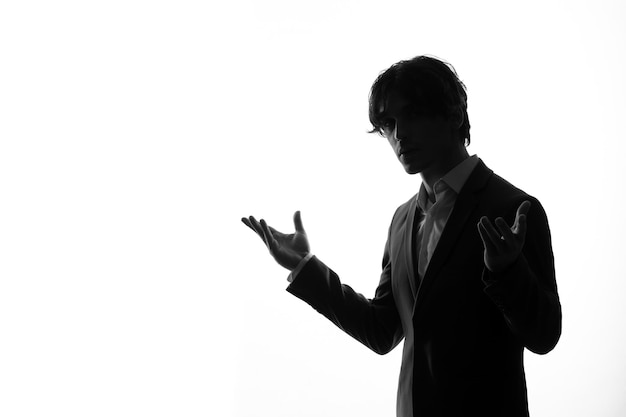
(434, 173)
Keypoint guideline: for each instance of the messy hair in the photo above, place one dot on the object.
(425, 81)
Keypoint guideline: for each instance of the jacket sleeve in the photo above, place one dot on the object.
(373, 322)
(526, 293)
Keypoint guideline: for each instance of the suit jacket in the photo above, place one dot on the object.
(464, 328)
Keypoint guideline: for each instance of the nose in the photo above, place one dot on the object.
(394, 133)
(398, 134)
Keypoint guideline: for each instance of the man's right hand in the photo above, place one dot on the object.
(287, 250)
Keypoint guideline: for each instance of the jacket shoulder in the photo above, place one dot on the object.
(500, 196)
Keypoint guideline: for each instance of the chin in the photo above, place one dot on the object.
(412, 169)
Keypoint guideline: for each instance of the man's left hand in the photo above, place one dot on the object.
(504, 244)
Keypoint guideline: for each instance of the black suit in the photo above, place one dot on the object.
(465, 328)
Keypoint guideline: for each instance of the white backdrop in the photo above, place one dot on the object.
(134, 135)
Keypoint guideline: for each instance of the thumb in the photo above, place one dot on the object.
(521, 232)
(297, 221)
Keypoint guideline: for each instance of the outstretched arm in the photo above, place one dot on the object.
(373, 322)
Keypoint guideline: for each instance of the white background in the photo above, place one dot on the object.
(134, 135)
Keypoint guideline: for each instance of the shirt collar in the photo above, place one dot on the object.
(455, 179)
(458, 175)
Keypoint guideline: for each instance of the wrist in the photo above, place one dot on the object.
(296, 270)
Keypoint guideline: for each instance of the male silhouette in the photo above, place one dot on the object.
(466, 294)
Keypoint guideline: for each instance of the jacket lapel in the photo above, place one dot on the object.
(409, 243)
(463, 207)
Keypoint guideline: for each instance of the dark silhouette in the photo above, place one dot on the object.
(466, 294)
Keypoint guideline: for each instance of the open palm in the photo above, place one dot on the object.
(287, 249)
(503, 244)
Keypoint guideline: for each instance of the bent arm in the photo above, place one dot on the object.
(526, 292)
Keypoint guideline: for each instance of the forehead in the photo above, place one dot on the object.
(396, 101)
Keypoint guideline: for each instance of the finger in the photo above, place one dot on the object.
(246, 221)
(491, 231)
(521, 230)
(254, 224)
(257, 228)
(522, 209)
(487, 243)
(297, 221)
(269, 239)
(505, 230)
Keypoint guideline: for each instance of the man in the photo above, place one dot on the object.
(466, 294)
